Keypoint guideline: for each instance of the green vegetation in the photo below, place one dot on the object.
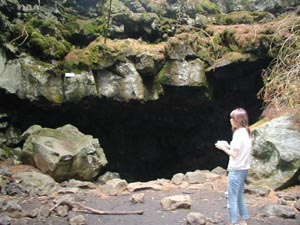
(100, 55)
(44, 38)
(209, 7)
(281, 91)
(87, 28)
(242, 17)
(236, 18)
(48, 46)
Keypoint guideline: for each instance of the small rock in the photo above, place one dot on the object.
(178, 178)
(36, 182)
(216, 219)
(108, 176)
(5, 171)
(135, 186)
(194, 218)
(62, 210)
(79, 184)
(184, 185)
(281, 201)
(279, 211)
(257, 190)
(77, 220)
(211, 176)
(176, 202)
(137, 198)
(297, 204)
(163, 182)
(114, 187)
(5, 220)
(219, 170)
(202, 187)
(11, 207)
(286, 197)
(196, 177)
(32, 213)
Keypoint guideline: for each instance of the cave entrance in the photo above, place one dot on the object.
(156, 139)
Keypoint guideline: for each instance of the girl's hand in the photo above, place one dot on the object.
(222, 145)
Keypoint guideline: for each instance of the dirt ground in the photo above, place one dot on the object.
(211, 203)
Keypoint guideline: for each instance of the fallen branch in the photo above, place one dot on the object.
(75, 204)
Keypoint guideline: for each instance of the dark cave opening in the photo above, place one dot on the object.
(155, 139)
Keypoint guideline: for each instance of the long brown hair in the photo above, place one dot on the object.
(241, 119)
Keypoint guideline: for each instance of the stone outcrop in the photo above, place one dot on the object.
(275, 155)
(148, 45)
(63, 153)
(48, 53)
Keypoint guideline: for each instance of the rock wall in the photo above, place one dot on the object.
(64, 51)
(156, 85)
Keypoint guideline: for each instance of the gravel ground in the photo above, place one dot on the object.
(211, 203)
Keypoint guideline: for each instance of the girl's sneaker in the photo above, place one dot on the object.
(243, 222)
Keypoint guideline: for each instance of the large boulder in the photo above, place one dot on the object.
(275, 154)
(63, 153)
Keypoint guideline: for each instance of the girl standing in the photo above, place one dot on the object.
(239, 151)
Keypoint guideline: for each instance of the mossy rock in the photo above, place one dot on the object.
(44, 37)
(243, 17)
(48, 46)
(103, 53)
(81, 31)
(205, 7)
(153, 6)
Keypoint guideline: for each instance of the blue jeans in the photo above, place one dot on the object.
(236, 202)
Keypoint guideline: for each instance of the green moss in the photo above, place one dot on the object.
(86, 28)
(236, 18)
(203, 7)
(48, 46)
(242, 17)
(210, 7)
(45, 38)
(161, 77)
(72, 67)
(212, 49)
(236, 56)
(227, 35)
(46, 27)
(100, 55)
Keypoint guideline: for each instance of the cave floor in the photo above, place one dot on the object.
(210, 202)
